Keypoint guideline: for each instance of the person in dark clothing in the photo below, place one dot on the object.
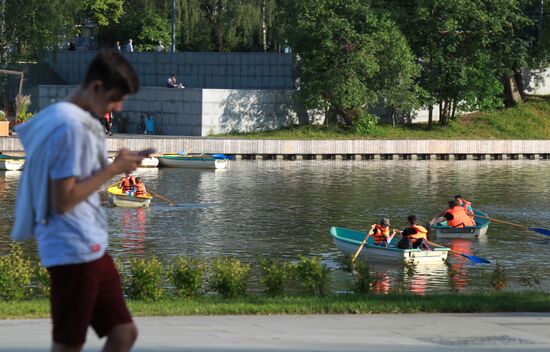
(414, 236)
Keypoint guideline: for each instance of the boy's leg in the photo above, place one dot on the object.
(121, 338)
(111, 317)
(73, 294)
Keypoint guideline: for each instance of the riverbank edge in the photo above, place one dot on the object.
(333, 304)
(356, 149)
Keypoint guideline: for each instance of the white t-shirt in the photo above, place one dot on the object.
(79, 235)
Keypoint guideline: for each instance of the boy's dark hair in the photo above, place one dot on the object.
(452, 203)
(458, 196)
(115, 71)
(412, 219)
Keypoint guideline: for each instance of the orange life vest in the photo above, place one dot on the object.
(380, 234)
(421, 232)
(128, 183)
(466, 204)
(460, 217)
(140, 189)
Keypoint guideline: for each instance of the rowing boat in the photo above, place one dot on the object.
(192, 161)
(11, 163)
(123, 200)
(468, 232)
(348, 241)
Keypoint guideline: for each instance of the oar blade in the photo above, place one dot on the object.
(542, 231)
(475, 259)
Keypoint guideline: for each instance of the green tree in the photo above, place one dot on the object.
(103, 12)
(467, 49)
(350, 54)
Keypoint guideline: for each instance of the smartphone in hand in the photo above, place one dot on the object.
(146, 152)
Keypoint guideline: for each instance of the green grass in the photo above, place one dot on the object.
(530, 120)
(345, 304)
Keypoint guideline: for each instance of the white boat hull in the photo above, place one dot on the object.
(131, 202)
(149, 162)
(465, 233)
(384, 255)
(11, 164)
(194, 163)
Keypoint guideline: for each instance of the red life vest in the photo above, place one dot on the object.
(140, 189)
(128, 183)
(460, 217)
(421, 232)
(380, 234)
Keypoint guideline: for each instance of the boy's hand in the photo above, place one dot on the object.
(126, 161)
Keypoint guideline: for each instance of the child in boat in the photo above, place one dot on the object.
(139, 188)
(414, 236)
(381, 232)
(127, 184)
(465, 204)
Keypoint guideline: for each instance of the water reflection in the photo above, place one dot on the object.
(282, 209)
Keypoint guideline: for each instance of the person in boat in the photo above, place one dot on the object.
(465, 204)
(139, 188)
(127, 183)
(460, 217)
(381, 232)
(414, 235)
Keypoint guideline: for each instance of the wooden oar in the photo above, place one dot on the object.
(472, 258)
(361, 246)
(542, 231)
(171, 202)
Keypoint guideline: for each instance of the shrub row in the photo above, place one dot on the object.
(150, 279)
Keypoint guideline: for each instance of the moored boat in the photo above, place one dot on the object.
(149, 162)
(348, 241)
(11, 163)
(123, 200)
(468, 232)
(192, 161)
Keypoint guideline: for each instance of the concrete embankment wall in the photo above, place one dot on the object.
(194, 70)
(330, 149)
(201, 112)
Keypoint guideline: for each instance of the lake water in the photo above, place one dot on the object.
(283, 209)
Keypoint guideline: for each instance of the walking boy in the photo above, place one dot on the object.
(57, 202)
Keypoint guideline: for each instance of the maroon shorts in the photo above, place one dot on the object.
(86, 294)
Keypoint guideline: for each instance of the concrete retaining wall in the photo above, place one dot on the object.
(201, 112)
(195, 70)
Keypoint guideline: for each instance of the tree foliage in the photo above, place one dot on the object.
(459, 55)
(349, 54)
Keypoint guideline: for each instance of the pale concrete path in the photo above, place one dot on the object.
(334, 333)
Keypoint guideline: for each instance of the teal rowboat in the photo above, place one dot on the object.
(468, 232)
(348, 241)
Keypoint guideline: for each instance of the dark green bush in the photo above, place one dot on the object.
(362, 279)
(229, 277)
(274, 276)
(312, 275)
(144, 279)
(186, 276)
(15, 274)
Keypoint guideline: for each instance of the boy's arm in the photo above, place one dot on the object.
(66, 193)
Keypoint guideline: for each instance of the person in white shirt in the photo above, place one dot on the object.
(58, 203)
(160, 47)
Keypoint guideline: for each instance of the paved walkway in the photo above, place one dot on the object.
(334, 333)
